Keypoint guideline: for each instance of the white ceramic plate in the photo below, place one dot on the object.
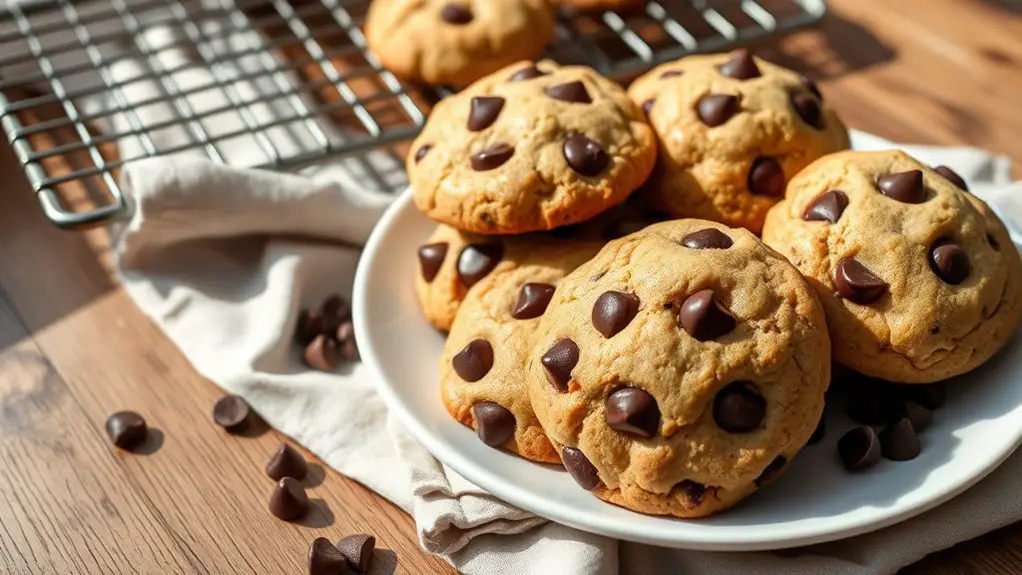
(814, 501)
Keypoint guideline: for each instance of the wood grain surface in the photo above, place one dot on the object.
(73, 348)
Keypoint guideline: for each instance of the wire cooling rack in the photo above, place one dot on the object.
(87, 87)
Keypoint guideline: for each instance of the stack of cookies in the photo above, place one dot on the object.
(610, 305)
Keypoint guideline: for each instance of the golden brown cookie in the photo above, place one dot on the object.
(681, 368)
(531, 147)
(487, 350)
(456, 42)
(919, 279)
(732, 130)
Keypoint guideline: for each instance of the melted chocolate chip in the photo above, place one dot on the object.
(899, 442)
(766, 178)
(558, 361)
(431, 257)
(903, 186)
(952, 177)
(859, 448)
(477, 260)
(771, 471)
(856, 283)
(704, 318)
(949, 261)
(455, 14)
(422, 151)
(491, 158)
(808, 108)
(574, 92)
(474, 361)
(495, 425)
(715, 109)
(580, 468)
(533, 299)
(484, 112)
(738, 408)
(527, 73)
(613, 311)
(707, 239)
(810, 85)
(634, 411)
(584, 156)
(827, 207)
(741, 66)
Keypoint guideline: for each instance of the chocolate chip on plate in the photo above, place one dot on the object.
(903, 186)
(738, 408)
(558, 361)
(483, 112)
(716, 109)
(828, 207)
(953, 177)
(495, 425)
(581, 469)
(708, 239)
(856, 283)
(231, 412)
(766, 178)
(573, 92)
(474, 360)
(704, 318)
(358, 549)
(930, 396)
(286, 462)
(455, 14)
(632, 410)
(326, 559)
(859, 448)
(322, 354)
(919, 416)
(584, 156)
(491, 158)
(741, 66)
(949, 261)
(431, 257)
(872, 401)
(613, 311)
(899, 442)
(533, 299)
(289, 500)
(126, 429)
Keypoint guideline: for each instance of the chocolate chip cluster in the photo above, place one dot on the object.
(327, 334)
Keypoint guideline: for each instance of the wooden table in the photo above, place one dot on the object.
(73, 348)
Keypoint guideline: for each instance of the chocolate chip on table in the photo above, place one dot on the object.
(671, 74)
(859, 448)
(346, 339)
(738, 408)
(573, 92)
(477, 260)
(904, 187)
(766, 178)
(422, 151)
(358, 550)
(527, 73)
(930, 396)
(495, 425)
(613, 311)
(484, 111)
(810, 85)
(455, 14)
(899, 442)
(231, 412)
(491, 158)
(326, 559)
(827, 207)
(580, 468)
(431, 257)
(323, 354)
(716, 109)
(632, 410)
(126, 429)
(741, 66)
(289, 500)
(286, 462)
(704, 318)
(919, 416)
(558, 361)
(771, 471)
(474, 361)
(856, 283)
(584, 156)
(533, 299)
(953, 177)
(708, 239)
(808, 108)
(648, 105)
(949, 261)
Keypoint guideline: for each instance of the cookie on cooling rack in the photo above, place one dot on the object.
(732, 130)
(455, 42)
(532, 147)
(919, 279)
(681, 368)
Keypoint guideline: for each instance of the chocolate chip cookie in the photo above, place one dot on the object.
(732, 130)
(534, 146)
(681, 368)
(488, 348)
(918, 278)
(455, 42)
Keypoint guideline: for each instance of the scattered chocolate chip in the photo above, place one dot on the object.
(810, 85)
(859, 448)
(741, 66)
(993, 242)
(952, 176)
(827, 207)
(819, 432)
(692, 490)
(632, 410)
(326, 559)
(671, 74)
(358, 550)
(808, 108)
(580, 468)
(533, 298)
(289, 500)
(899, 442)
(574, 92)
(766, 178)
(323, 354)
(286, 462)
(484, 111)
(715, 109)
(231, 412)
(346, 338)
(903, 186)
(771, 471)
(872, 402)
(919, 416)
(431, 257)
(707, 239)
(856, 283)
(613, 311)
(495, 425)
(704, 318)
(648, 105)
(474, 361)
(422, 151)
(126, 429)
(558, 361)
(310, 324)
(492, 158)
(456, 14)
(477, 260)
(930, 396)
(527, 73)
(584, 155)
(738, 408)
(949, 261)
